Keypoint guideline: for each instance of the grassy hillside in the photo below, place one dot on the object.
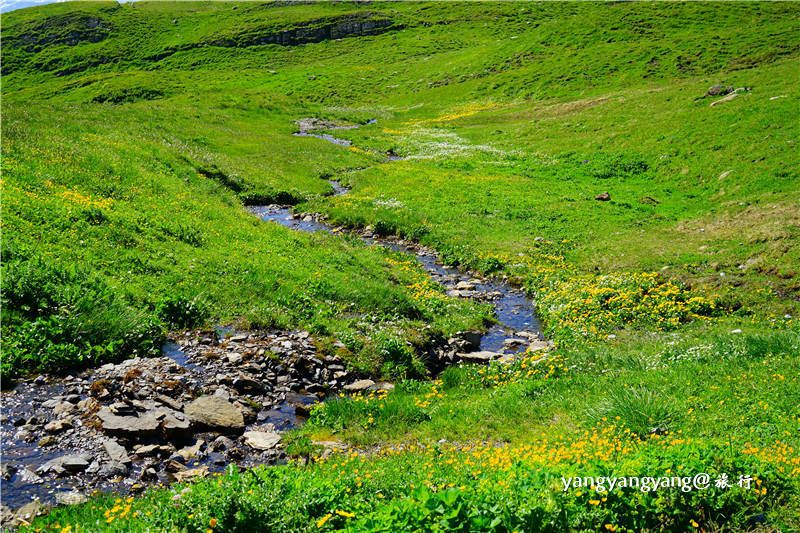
(135, 134)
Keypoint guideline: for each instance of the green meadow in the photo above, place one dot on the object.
(135, 136)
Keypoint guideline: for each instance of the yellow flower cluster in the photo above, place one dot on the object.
(120, 511)
(428, 398)
(423, 289)
(538, 364)
(780, 454)
(460, 112)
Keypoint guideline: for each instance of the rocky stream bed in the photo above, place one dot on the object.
(214, 397)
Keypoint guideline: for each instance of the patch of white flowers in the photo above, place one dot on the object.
(388, 203)
(431, 143)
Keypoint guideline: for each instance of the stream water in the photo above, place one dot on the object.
(515, 312)
(23, 405)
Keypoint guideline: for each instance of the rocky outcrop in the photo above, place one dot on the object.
(313, 31)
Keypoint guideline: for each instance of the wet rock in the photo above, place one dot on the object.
(246, 384)
(169, 402)
(64, 408)
(26, 477)
(25, 435)
(154, 449)
(71, 498)
(191, 451)
(465, 286)
(360, 385)
(7, 471)
(514, 342)
(134, 426)
(221, 444)
(113, 469)
(25, 514)
(262, 440)
(174, 466)
(471, 338)
(314, 388)
(88, 405)
(65, 464)
(174, 424)
(116, 452)
(57, 426)
(215, 412)
(46, 441)
(187, 475)
(217, 458)
(301, 410)
(177, 457)
(148, 474)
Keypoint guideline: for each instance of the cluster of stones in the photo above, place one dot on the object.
(165, 419)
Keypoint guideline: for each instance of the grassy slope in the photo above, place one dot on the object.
(514, 118)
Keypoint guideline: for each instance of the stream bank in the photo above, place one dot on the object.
(214, 397)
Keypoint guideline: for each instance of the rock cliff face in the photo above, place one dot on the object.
(27, 49)
(314, 31)
(70, 30)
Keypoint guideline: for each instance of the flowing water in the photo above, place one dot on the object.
(515, 313)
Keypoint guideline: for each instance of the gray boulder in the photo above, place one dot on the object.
(215, 412)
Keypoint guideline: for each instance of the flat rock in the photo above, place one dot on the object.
(514, 342)
(116, 452)
(64, 464)
(360, 385)
(382, 386)
(113, 469)
(57, 426)
(63, 408)
(169, 402)
(186, 475)
(537, 346)
(262, 440)
(725, 99)
(71, 498)
(25, 514)
(479, 356)
(26, 476)
(154, 449)
(144, 424)
(215, 412)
